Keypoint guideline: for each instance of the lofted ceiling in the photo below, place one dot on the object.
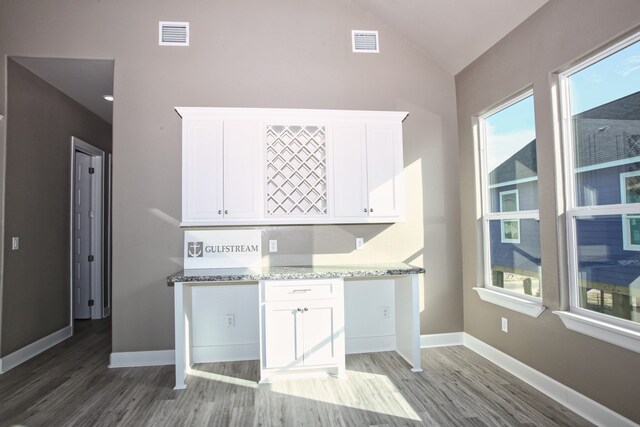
(84, 80)
(452, 33)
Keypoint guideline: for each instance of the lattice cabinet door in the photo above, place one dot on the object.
(296, 168)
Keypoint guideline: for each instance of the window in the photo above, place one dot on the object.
(601, 116)
(509, 228)
(509, 198)
(630, 193)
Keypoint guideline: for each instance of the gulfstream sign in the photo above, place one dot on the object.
(198, 249)
(222, 248)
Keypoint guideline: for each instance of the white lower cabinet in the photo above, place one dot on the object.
(302, 327)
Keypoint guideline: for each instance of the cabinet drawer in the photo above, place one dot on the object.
(289, 290)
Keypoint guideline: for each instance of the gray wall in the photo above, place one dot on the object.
(250, 53)
(40, 123)
(558, 34)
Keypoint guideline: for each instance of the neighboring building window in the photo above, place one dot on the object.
(509, 179)
(630, 193)
(601, 109)
(509, 228)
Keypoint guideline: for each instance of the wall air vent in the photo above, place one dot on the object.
(365, 41)
(174, 33)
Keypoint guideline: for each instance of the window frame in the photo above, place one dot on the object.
(522, 303)
(621, 332)
(626, 226)
(503, 221)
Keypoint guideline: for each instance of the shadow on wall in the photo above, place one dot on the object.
(301, 245)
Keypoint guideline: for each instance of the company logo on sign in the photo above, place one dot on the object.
(222, 249)
(195, 249)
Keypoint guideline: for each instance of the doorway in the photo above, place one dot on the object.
(90, 292)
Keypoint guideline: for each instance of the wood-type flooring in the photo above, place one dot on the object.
(71, 385)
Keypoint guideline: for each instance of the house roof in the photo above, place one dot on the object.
(609, 132)
(523, 164)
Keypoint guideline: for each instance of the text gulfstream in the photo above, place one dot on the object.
(230, 248)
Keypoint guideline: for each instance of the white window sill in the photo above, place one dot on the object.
(512, 302)
(622, 337)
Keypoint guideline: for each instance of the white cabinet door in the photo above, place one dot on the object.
(384, 169)
(318, 337)
(349, 170)
(367, 170)
(283, 335)
(202, 186)
(242, 169)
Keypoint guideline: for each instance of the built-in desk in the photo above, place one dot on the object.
(405, 276)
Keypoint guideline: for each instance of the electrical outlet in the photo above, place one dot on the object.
(231, 320)
(359, 242)
(15, 243)
(273, 246)
(385, 311)
(505, 325)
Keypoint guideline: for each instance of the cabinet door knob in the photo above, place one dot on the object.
(226, 212)
(306, 309)
(371, 210)
(299, 309)
(220, 212)
(365, 209)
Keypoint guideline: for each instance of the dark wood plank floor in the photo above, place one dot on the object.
(71, 385)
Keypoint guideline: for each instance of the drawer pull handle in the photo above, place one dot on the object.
(296, 291)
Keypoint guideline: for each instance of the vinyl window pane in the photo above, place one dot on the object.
(515, 265)
(608, 279)
(510, 154)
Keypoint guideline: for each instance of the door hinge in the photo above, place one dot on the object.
(92, 170)
(91, 258)
(91, 303)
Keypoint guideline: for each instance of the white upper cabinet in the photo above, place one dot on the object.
(248, 166)
(367, 171)
(202, 175)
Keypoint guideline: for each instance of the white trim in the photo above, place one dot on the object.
(626, 226)
(514, 182)
(14, 359)
(613, 334)
(442, 340)
(577, 402)
(605, 165)
(503, 221)
(132, 359)
(520, 304)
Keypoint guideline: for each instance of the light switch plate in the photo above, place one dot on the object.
(273, 246)
(15, 243)
(359, 242)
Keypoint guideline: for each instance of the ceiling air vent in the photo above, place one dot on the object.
(365, 41)
(174, 33)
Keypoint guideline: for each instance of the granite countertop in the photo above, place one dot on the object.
(291, 273)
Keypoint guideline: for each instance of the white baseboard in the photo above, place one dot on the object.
(442, 340)
(130, 359)
(578, 403)
(221, 353)
(14, 359)
(225, 353)
(371, 344)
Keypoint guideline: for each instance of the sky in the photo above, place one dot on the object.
(614, 77)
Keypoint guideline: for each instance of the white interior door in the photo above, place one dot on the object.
(82, 237)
